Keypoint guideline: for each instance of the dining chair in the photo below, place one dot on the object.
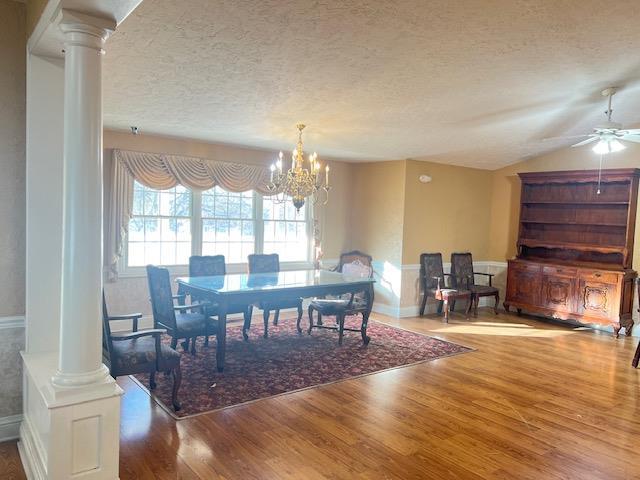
(432, 280)
(208, 266)
(139, 351)
(354, 264)
(463, 276)
(270, 263)
(181, 321)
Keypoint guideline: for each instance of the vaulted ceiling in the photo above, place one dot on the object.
(475, 83)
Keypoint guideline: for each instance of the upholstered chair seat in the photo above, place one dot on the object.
(136, 355)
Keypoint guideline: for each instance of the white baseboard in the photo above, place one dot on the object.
(10, 427)
(30, 454)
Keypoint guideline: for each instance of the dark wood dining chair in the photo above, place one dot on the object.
(180, 321)
(434, 285)
(139, 351)
(463, 276)
(355, 263)
(270, 263)
(209, 266)
(345, 258)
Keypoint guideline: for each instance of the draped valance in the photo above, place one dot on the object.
(162, 171)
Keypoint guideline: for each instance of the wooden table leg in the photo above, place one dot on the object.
(636, 357)
(221, 337)
(365, 315)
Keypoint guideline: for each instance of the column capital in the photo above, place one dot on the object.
(85, 30)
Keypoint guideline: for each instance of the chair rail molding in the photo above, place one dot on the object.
(14, 321)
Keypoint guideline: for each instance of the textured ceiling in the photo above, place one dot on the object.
(475, 83)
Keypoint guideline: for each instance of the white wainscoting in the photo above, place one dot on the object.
(10, 425)
(407, 303)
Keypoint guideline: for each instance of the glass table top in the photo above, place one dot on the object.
(245, 282)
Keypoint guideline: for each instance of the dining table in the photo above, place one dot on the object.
(234, 291)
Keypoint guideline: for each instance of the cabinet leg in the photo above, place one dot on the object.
(628, 327)
(506, 307)
(616, 329)
(519, 311)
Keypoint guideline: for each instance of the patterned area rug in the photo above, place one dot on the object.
(286, 362)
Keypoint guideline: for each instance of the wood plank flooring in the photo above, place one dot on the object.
(537, 400)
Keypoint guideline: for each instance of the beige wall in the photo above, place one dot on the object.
(12, 201)
(505, 200)
(12, 156)
(449, 214)
(33, 13)
(377, 208)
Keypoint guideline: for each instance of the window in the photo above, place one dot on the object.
(285, 231)
(168, 226)
(228, 221)
(160, 228)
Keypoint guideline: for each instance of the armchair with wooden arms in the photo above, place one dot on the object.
(463, 276)
(355, 263)
(269, 263)
(139, 351)
(432, 280)
(180, 321)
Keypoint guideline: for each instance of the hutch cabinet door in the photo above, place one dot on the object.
(523, 283)
(558, 294)
(597, 299)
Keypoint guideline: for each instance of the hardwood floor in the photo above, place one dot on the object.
(535, 401)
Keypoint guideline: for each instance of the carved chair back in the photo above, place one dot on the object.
(353, 256)
(462, 270)
(161, 297)
(431, 270)
(207, 265)
(264, 263)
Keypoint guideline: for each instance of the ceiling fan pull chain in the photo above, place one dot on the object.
(599, 174)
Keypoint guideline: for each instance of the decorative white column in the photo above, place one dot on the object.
(80, 356)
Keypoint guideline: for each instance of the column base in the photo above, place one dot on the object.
(65, 380)
(68, 432)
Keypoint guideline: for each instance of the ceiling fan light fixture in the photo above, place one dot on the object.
(604, 147)
(616, 146)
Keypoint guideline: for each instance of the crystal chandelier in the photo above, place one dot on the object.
(299, 182)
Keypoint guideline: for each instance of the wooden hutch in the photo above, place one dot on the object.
(575, 247)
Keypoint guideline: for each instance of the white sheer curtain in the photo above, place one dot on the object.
(161, 171)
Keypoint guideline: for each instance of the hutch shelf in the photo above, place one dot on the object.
(575, 247)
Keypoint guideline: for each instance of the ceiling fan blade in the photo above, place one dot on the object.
(592, 138)
(635, 131)
(631, 138)
(551, 139)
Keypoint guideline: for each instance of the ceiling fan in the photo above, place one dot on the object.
(609, 134)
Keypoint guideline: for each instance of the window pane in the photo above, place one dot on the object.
(228, 224)
(160, 227)
(285, 230)
(151, 202)
(207, 206)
